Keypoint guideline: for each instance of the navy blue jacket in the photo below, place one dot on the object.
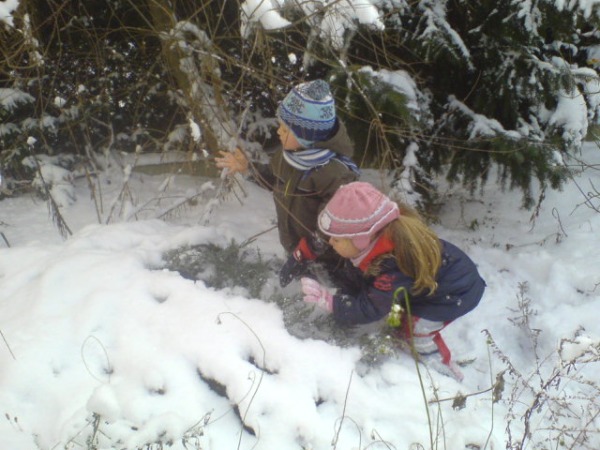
(369, 298)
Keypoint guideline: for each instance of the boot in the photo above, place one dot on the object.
(440, 360)
(435, 361)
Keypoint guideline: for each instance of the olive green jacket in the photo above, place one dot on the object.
(300, 195)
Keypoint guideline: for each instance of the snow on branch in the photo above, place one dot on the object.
(480, 126)
(10, 98)
(437, 25)
(6, 9)
(571, 115)
(586, 6)
(263, 12)
(332, 19)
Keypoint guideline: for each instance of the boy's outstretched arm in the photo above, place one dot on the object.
(235, 162)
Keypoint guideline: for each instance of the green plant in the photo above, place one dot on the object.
(222, 267)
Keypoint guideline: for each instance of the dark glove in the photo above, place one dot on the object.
(296, 265)
(291, 269)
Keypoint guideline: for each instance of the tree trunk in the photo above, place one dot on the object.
(195, 74)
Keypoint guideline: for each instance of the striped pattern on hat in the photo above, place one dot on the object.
(309, 112)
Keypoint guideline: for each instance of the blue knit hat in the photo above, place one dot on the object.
(309, 112)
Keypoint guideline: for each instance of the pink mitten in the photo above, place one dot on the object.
(315, 293)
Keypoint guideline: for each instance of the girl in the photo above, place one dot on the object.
(397, 253)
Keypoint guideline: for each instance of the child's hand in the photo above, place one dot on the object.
(317, 294)
(234, 161)
(292, 269)
(295, 266)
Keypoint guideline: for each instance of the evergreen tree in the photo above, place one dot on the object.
(446, 86)
(507, 82)
(503, 74)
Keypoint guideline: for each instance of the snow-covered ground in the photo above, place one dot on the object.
(104, 346)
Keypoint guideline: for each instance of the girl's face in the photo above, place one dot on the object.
(344, 247)
(287, 138)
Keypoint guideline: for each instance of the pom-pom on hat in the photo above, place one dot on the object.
(357, 211)
(309, 112)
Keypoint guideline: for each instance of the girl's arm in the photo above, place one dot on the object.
(371, 302)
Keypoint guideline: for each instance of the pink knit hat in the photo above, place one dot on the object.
(357, 211)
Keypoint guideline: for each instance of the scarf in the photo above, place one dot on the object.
(306, 160)
(377, 248)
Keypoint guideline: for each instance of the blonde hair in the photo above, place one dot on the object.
(417, 249)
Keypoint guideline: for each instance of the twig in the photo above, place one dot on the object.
(337, 434)
(171, 210)
(416, 359)
(53, 207)
(556, 215)
(253, 238)
(5, 240)
(108, 370)
(380, 440)
(461, 396)
(7, 346)
(494, 385)
(264, 352)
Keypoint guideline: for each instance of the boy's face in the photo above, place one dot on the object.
(287, 138)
